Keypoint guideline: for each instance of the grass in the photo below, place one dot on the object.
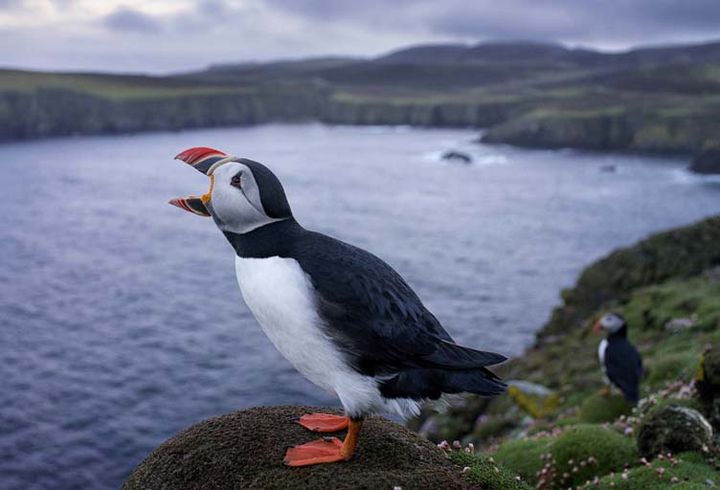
(110, 86)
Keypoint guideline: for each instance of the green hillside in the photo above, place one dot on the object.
(661, 100)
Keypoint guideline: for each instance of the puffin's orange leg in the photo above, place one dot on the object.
(324, 422)
(327, 450)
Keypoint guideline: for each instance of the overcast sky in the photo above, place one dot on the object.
(162, 36)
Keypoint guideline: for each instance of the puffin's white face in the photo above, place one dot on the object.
(234, 199)
(244, 195)
(610, 322)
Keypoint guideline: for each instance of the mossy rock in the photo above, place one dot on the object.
(245, 449)
(673, 428)
(524, 456)
(598, 408)
(487, 473)
(686, 471)
(537, 400)
(585, 451)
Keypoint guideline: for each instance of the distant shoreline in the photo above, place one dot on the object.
(654, 101)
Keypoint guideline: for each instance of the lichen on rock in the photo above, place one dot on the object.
(673, 428)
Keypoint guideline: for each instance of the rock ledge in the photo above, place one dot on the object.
(245, 450)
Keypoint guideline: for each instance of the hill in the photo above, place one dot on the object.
(659, 100)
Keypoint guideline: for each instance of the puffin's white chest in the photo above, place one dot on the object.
(601, 353)
(279, 294)
(602, 349)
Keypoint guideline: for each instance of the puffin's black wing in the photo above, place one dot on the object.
(623, 367)
(378, 321)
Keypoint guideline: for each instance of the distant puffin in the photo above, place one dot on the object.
(342, 317)
(620, 361)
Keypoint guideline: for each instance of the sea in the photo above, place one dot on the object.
(121, 322)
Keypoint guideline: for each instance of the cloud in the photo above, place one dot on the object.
(599, 22)
(128, 20)
(10, 4)
(189, 34)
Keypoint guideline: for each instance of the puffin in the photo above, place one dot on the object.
(342, 317)
(620, 361)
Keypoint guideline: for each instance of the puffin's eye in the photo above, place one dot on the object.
(236, 180)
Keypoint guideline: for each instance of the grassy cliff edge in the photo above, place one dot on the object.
(668, 288)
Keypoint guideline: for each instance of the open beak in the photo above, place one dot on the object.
(597, 327)
(203, 159)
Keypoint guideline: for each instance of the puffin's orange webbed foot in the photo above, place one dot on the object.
(324, 422)
(327, 450)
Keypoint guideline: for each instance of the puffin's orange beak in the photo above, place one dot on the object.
(202, 159)
(597, 328)
(192, 204)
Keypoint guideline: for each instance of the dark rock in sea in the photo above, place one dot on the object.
(245, 450)
(457, 156)
(673, 428)
(608, 169)
(707, 162)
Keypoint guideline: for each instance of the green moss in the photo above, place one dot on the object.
(598, 408)
(660, 370)
(487, 473)
(524, 456)
(654, 306)
(688, 471)
(660, 404)
(601, 450)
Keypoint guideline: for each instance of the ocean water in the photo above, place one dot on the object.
(120, 319)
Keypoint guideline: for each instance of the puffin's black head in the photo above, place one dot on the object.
(244, 195)
(610, 323)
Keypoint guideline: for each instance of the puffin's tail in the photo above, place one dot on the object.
(432, 383)
(451, 368)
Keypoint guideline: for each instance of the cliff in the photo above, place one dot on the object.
(662, 100)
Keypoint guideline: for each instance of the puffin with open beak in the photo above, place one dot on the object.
(619, 359)
(341, 316)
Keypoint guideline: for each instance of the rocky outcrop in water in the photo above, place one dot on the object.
(245, 449)
(456, 156)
